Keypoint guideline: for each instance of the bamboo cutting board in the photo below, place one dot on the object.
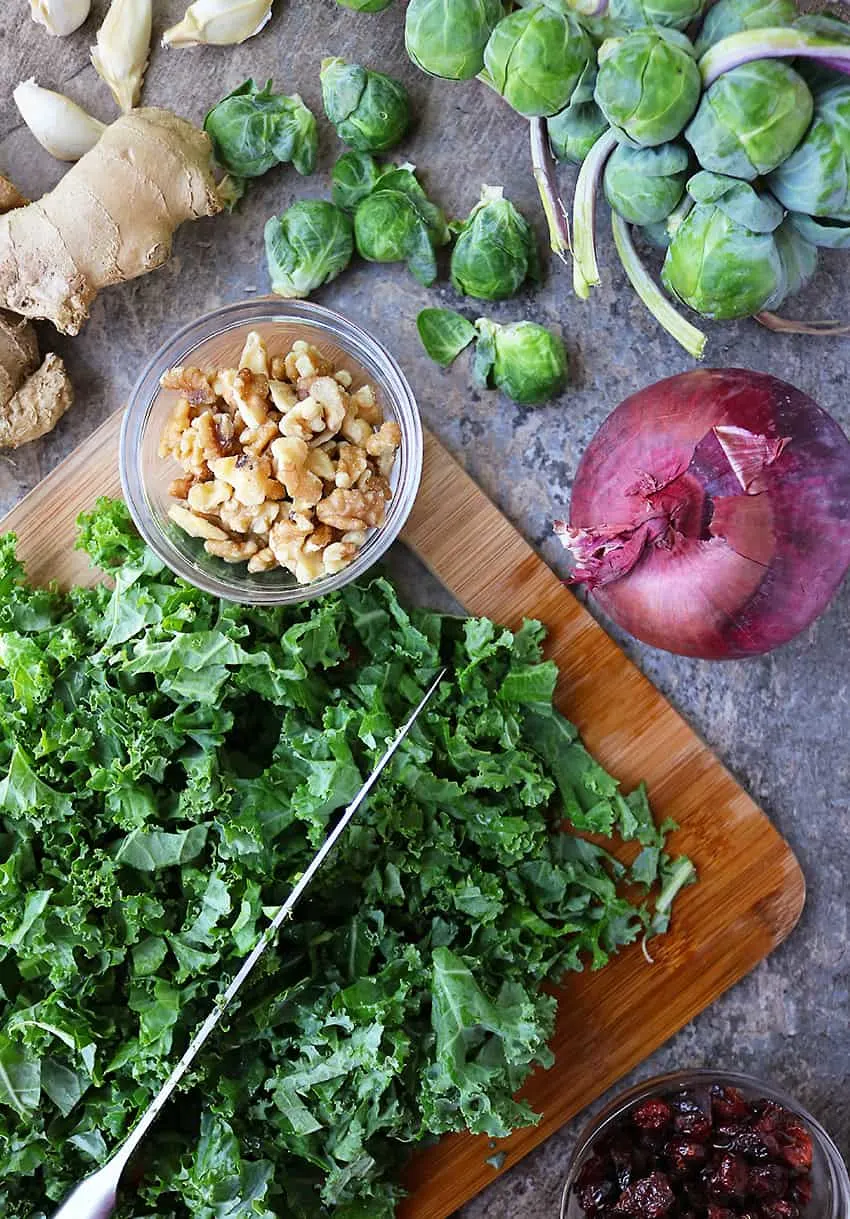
(751, 889)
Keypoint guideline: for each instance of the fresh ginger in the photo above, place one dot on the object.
(32, 397)
(110, 218)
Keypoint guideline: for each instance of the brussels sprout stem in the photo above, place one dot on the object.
(544, 175)
(585, 266)
(659, 306)
(778, 43)
(787, 325)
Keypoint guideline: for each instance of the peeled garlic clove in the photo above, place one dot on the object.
(123, 46)
(60, 17)
(59, 125)
(218, 23)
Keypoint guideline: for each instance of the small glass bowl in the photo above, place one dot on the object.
(830, 1182)
(215, 340)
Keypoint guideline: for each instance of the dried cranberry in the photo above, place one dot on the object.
(653, 1114)
(592, 1171)
(796, 1147)
(779, 1208)
(693, 1125)
(731, 1177)
(728, 1103)
(719, 1212)
(685, 1155)
(768, 1181)
(623, 1158)
(594, 1197)
(769, 1116)
(757, 1144)
(649, 1198)
(801, 1191)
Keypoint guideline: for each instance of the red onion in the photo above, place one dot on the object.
(711, 513)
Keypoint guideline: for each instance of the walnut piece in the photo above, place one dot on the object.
(282, 465)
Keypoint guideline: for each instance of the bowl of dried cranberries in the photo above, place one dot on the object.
(706, 1145)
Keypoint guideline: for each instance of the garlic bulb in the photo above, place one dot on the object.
(59, 125)
(218, 23)
(123, 46)
(60, 17)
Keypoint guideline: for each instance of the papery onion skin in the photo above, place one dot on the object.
(690, 590)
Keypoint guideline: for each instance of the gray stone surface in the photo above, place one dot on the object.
(780, 723)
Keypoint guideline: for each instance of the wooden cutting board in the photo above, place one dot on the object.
(751, 889)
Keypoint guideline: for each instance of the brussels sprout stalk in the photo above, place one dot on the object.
(585, 266)
(776, 43)
(543, 166)
(787, 325)
(688, 336)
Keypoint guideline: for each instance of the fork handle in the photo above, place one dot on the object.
(93, 1198)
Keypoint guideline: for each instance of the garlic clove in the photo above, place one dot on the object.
(121, 54)
(218, 23)
(59, 125)
(60, 17)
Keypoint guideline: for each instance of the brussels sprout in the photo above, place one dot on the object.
(799, 260)
(444, 334)
(574, 131)
(369, 110)
(576, 128)
(253, 129)
(525, 361)
(307, 246)
(751, 119)
(723, 260)
(355, 175)
(643, 185)
(495, 250)
(661, 233)
(398, 223)
(826, 233)
(733, 16)
(816, 177)
(648, 85)
(535, 58)
(447, 37)
(366, 6)
(635, 14)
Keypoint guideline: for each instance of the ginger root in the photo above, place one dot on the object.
(32, 398)
(110, 218)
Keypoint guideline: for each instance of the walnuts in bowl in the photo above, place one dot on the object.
(283, 464)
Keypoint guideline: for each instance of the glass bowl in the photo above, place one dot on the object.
(830, 1182)
(215, 340)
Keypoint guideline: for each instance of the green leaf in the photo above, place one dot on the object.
(444, 334)
(20, 1079)
(148, 851)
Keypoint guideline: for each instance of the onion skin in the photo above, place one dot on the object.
(672, 545)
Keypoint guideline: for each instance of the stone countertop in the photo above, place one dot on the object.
(781, 723)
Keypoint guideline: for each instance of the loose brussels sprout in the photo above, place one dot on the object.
(253, 129)
(366, 6)
(636, 14)
(751, 119)
(816, 177)
(648, 85)
(495, 250)
(307, 246)
(576, 128)
(369, 110)
(447, 37)
(444, 334)
(643, 185)
(823, 232)
(355, 175)
(399, 223)
(525, 361)
(723, 260)
(536, 57)
(734, 16)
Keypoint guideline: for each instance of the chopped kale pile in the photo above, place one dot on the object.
(170, 764)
